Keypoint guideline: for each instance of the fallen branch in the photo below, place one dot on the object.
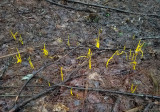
(116, 105)
(29, 49)
(6, 67)
(114, 92)
(111, 8)
(9, 95)
(146, 38)
(6, 87)
(67, 7)
(99, 6)
(149, 105)
(18, 106)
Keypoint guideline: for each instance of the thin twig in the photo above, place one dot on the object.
(18, 106)
(6, 67)
(64, 6)
(149, 105)
(146, 38)
(115, 107)
(3, 87)
(115, 92)
(8, 55)
(9, 95)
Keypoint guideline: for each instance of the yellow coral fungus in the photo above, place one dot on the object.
(61, 74)
(18, 56)
(45, 52)
(49, 84)
(68, 41)
(116, 53)
(71, 92)
(133, 90)
(139, 48)
(14, 35)
(134, 64)
(97, 42)
(88, 56)
(97, 39)
(20, 39)
(30, 62)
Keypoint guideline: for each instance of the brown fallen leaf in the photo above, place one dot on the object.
(59, 107)
(135, 109)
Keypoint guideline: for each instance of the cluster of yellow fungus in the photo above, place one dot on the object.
(30, 62)
(18, 56)
(14, 36)
(131, 57)
(45, 51)
(138, 49)
(133, 90)
(97, 39)
(116, 53)
(89, 55)
(68, 41)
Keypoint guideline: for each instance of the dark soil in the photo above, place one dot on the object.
(40, 22)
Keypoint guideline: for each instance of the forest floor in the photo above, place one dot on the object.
(63, 80)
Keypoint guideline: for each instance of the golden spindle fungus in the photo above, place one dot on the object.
(68, 43)
(71, 92)
(30, 62)
(97, 40)
(89, 55)
(139, 48)
(133, 90)
(45, 52)
(110, 59)
(14, 35)
(116, 53)
(18, 56)
(134, 64)
(49, 84)
(20, 39)
(61, 74)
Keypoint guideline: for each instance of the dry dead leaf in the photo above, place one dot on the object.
(137, 109)
(77, 82)
(96, 77)
(59, 107)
